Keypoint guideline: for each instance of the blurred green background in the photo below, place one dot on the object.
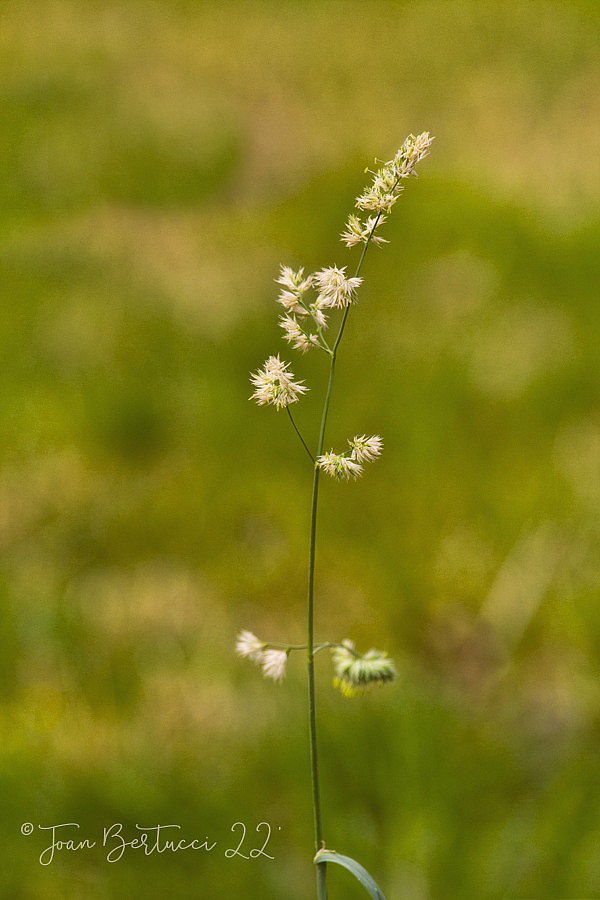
(160, 161)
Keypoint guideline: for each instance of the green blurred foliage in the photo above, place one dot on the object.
(161, 160)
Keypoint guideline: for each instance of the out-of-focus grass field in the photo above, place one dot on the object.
(160, 160)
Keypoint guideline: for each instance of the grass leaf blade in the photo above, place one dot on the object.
(357, 870)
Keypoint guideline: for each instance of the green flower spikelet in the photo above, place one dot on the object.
(355, 672)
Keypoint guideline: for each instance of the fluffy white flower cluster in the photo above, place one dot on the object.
(355, 672)
(362, 449)
(358, 232)
(385, 189)
(366, 449)
(275, 385)
(339, 466)
(333, 289)
(272, 661)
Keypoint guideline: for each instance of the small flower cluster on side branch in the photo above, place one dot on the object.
(273, 662)
(355, 673)
(275, 385)
(362, 449)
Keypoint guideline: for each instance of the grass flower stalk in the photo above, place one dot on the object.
(304, 325)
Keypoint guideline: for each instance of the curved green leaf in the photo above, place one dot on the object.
(357, 870)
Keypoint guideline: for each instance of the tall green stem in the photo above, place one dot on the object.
(314, 761)
(312, 717)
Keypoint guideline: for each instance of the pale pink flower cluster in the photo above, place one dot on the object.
(272, 661)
